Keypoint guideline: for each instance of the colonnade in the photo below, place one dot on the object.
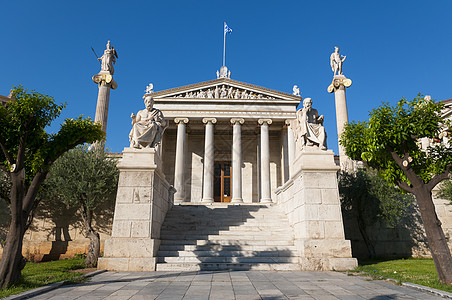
(208, 172)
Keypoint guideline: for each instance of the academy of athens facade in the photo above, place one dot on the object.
(214, 122)
(226, 145)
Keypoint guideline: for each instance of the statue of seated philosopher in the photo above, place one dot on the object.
(148, 125)
(309, 130)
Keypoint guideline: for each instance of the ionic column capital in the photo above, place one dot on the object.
(237, 120)
(288, 122)
(180, 120)
(105, 79)
(262, 121)
(339, 81)
(211, 120)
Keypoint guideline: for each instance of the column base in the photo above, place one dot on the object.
(207, 200)
(266, 200)
(237, 200)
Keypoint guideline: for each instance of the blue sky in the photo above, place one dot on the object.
(394, 49)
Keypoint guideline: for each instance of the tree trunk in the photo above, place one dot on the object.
(435, 236)
(12, 261)
(94, 238)
(94, 249)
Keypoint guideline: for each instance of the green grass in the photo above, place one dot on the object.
(415, 270)
(39, 274)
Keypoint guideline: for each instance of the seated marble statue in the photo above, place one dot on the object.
(309, 128)
(148, 126)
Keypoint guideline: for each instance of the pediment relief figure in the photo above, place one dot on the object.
(222, 91)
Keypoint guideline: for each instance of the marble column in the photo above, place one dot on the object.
(265, 161)
(237, 160)
(105, 83)
(179, 169)
(284, 155)
(207, 188)
(290, 146)
(340, 82)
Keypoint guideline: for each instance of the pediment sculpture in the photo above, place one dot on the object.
(222, 91)
(148, 124)
(308, 127)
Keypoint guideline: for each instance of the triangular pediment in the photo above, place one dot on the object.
(224, 89)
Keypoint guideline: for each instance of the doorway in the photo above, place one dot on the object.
(222, 181)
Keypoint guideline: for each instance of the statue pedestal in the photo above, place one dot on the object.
(311, 201)
(142, 201)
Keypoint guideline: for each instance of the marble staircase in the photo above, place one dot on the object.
(226, 237)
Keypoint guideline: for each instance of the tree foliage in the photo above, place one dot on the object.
(86, 180)
(388, 142)
(394, 131)
(446, 191)
(370, 199)
(27, 153)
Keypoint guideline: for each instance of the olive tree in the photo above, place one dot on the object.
(388, 142)
(85, 180)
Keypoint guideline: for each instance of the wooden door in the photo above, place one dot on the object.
(222, 182)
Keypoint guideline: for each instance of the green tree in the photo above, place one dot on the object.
(27, 153)
(86, 180)
(369, 199)
(388, 143)
(446, 191)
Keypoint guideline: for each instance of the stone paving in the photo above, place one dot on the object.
(224, 285)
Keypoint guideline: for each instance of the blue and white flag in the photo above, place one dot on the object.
(227, 28)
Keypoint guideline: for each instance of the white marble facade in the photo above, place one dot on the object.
(236, 118)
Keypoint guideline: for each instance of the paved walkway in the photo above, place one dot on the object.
(233, 285)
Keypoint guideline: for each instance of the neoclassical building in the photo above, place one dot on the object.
(227, 140)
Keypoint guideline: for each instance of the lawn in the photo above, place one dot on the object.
(39, 274)
(415, 270)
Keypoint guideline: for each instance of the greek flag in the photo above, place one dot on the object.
(227, 28)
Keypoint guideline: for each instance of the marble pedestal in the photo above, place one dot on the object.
(142, 201)
(311, 201)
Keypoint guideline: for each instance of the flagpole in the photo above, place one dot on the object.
(224, 44)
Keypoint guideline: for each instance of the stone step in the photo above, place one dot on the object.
(207, 233)
(199, 235)
(226, 212)
(228, 242)
(223, 219)
(221, 248)
(225, 259)
(232, 236)
(241, 229)
(227, 253)
(227, 266)
(219, 223)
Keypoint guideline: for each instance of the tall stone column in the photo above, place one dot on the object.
(179, 169)
(340, 82)
(237, 160)
(207, 189)
(265, 161)
(105, 81)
